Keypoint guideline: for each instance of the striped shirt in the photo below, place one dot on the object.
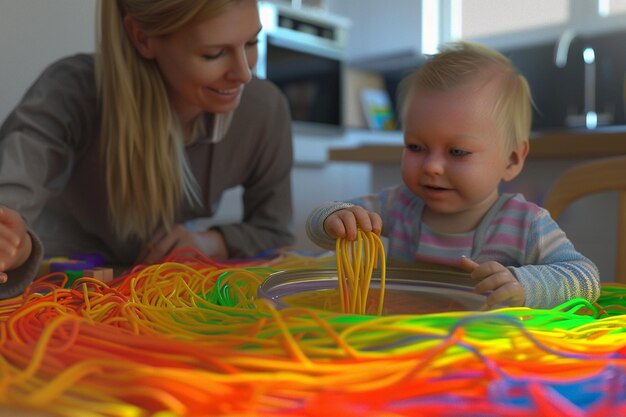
(516, 233)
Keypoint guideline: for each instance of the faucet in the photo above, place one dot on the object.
(562, 47)
(590, 118)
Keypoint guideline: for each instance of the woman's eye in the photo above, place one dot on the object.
(213, 56)
(458, 152)
(254, 42)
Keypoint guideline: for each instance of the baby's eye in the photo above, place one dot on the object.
(458, 152)
(414, 148)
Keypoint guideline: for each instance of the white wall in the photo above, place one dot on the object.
(33, 34)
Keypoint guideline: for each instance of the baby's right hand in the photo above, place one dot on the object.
(343, 223)
(15, 243)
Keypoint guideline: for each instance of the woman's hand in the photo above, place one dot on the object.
(495, 277)
(15, 242)
(343, 223)
(209, 242)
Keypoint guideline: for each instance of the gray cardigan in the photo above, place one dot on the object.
(50, 171)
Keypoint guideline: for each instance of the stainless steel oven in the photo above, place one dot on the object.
(303, 53)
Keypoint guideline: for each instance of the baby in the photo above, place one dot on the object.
(466, 116)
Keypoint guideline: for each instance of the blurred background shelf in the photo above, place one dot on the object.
(558, 144)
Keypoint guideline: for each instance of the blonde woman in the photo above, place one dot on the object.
(115, 152)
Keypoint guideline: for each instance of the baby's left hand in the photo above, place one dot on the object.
(495, 277)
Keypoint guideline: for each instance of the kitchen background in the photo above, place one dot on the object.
(379, 41)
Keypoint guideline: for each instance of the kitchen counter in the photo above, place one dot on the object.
(561, 144)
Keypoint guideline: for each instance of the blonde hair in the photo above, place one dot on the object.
(146, 170)
(458, 63)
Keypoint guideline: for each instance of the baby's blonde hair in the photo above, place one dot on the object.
(146, 170)
(458, 63)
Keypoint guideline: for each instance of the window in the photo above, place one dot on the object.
(480, 18)
(611, 7)
(512, 23)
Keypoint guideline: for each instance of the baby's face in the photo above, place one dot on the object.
(454, 154)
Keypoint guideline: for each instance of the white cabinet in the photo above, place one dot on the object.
(381, 28)
(316, 184)
(312, 185)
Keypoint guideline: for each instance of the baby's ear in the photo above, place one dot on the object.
(516, 161)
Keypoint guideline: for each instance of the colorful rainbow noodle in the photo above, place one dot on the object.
(189, 338)
(356, 261)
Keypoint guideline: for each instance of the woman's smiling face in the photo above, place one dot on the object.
(205, 65)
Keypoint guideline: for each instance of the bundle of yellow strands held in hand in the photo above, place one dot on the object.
(356, 261)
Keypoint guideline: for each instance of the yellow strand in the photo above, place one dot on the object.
(356, 262)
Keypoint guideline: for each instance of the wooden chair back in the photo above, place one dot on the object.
(600, 175)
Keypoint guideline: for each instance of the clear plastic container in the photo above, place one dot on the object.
(407, 291)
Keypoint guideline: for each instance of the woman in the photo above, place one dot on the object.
(114, 153)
